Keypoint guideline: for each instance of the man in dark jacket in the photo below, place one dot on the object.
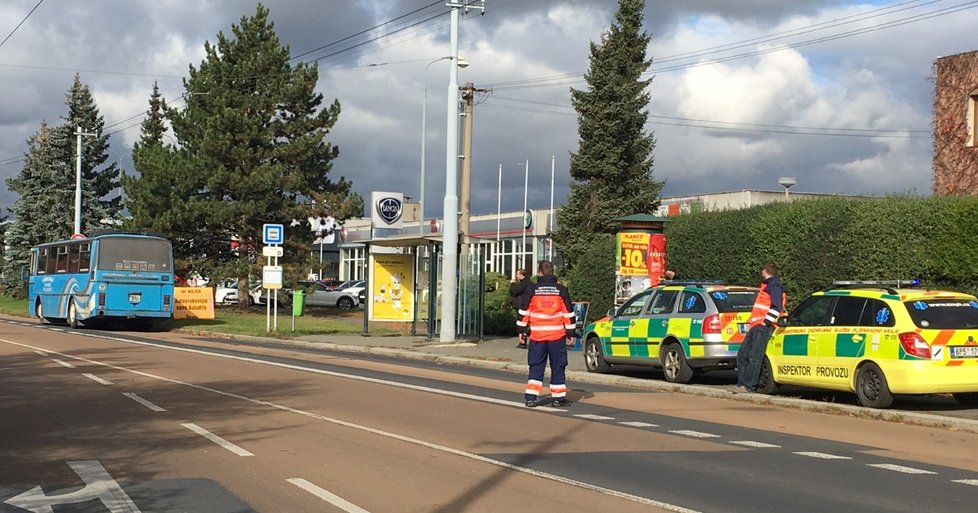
(546, 319)
(516, 289)
(768, 306)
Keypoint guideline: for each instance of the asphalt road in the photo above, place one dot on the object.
(122, 422)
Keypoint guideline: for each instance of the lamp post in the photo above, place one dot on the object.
(461, 63)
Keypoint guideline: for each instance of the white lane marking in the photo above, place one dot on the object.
(593, 417)
(63, 363)
(56, 329)
(97, 379)
(142, 401)
(972, 482)
(694, 434)
(823, 456)
(378, 432)
(900, 468)
(333, 499)
(40, 353)
(639, 424)
(759, 445)
(99, 485)
(216, 439)
(521, 404)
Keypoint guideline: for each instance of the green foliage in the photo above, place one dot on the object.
(612, 171)
(251, 149)
(593, 279)
(499, 316)
(817, 241)
(44, 212)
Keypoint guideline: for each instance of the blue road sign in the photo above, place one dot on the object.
(273, 234)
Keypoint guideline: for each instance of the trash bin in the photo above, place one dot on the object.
(298, 302)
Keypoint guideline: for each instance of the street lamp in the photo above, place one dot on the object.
(462, 63)
(787, 182)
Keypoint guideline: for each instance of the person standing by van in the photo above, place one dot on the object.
(547, 320)
(516, 289)
(768, 306)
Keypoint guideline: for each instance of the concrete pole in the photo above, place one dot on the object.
(468, 95)
(449, 281)
(78, 187)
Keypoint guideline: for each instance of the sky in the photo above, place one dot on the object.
(837, 94)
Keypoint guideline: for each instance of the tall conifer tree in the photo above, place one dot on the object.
(251, 149)
(612, 169)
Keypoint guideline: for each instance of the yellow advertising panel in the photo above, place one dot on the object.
(391, 293)
(193, 303)
(633, 253)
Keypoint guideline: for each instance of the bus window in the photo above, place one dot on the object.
(62, 259)
(129, 254)
(73, 258)
(52, 261)
(40, 266)
(85, 257)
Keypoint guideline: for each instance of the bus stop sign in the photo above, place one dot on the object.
(273, 234)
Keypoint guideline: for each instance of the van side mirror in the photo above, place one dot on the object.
(783, 321)
(611, 312)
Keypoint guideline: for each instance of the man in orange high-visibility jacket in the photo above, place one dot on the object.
(546, 318)
(768, 306)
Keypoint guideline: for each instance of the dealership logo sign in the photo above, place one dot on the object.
(390, 209)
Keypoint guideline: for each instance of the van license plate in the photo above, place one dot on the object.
(964, 352)
(135, 298)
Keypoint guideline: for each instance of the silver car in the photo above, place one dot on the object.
(344, 296)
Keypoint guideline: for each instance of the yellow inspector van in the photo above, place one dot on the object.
(876, 340)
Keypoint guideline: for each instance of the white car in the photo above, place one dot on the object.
(226, 293)
(344, 296)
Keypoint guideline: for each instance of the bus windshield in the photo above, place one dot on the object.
(134, 254)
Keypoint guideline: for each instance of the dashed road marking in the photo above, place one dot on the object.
(63, 363)
(972, 482)
(40, 353)
(593, 417)
(639, 424)
(216, 439)
(331, 498)
(900, 468)
(97, 379)
(759, 445)
(142, 401)
(822, 455)
(694, 434)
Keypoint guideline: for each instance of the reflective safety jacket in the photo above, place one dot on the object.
(769, 304)
(545, 311)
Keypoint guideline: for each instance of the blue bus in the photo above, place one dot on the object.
(111, 275)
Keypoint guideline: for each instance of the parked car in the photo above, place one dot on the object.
(226, 293)
(876, 340)
(344, 296)
(681, 327)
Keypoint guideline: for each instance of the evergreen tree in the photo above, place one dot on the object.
(612, 170)
(99, 181)
(41, 185)
(250, 150)
(46, 184)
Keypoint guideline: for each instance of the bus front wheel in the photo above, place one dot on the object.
(40, 314)
(72, 316)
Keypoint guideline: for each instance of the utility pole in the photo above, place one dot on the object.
(78, 178)
(468, 99)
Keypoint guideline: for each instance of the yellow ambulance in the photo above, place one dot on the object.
(877, 339)
(681, 327)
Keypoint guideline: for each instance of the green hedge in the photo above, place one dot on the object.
(817, 241)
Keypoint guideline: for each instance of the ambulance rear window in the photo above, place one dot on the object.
(734, 300)
(943, 314)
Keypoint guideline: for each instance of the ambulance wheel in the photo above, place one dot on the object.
(72, 315)
(766, 383)
(674, 365)
(594, 358)
(969, 399)
(871, 388)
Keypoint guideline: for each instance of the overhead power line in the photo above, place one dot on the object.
(21, 22)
